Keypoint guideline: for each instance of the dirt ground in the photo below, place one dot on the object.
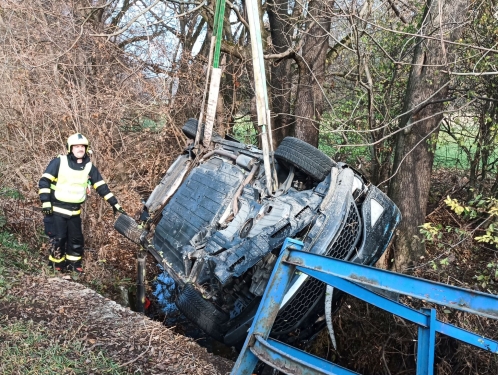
(138, 344)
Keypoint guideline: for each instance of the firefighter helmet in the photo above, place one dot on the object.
(76, 139)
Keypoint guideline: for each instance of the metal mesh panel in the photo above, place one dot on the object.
(293, 312)
(343, 246)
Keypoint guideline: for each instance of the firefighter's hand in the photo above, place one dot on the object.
(47, 208)
(117, 208)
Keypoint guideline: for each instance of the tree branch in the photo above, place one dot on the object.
(128, 25)
(397, 12)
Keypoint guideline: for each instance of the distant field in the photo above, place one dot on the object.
(450, 156)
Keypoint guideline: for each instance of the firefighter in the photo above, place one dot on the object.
(63, 188)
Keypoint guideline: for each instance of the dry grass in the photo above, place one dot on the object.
(53, 326)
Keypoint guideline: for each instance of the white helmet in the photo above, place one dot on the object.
(76, 139)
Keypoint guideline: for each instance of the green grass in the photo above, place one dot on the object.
(450, 151)
(11, 193)
(15, 260)
(32, 348)
(450, 156)
(28, 348)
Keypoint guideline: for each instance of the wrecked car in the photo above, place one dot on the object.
(217, 230)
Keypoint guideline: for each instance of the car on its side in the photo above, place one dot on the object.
(217, 230)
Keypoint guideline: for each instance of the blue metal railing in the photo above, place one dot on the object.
(358, 281)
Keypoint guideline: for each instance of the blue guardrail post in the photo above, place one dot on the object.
(267, 311)
(361, 282)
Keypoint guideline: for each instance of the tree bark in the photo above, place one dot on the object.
(309, 99)
(280, 71)
(423, 108)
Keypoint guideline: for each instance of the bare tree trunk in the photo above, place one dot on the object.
(280, 71)
(423, 106)
(309, 99)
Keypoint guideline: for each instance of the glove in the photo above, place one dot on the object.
(47, 208)
(117, 208)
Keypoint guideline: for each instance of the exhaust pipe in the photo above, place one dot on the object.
(140, 303)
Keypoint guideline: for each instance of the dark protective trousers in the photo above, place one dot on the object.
(66, 240)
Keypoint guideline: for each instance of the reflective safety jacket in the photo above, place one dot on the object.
(65, 181)
(71, 184)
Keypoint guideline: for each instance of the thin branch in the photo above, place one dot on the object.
(237, 12)
(128, 25)
(470, 74)
(291, 52)
(231, 50)
(141, 354)
(70, 48)
(190, 10)
(397, 12)
(98, 6)
(430, 37)
(444, 100)
(397, 130)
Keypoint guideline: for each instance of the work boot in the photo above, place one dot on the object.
(57, 266)
(74, 267)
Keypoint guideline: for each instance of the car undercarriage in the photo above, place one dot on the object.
(217, 229)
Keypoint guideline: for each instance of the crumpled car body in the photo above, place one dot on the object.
(218, 232)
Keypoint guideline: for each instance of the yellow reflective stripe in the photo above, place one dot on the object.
(46, 204)
(66, 212)
(72, 258)
(44, 191)
(52, 186)
(108, 196)
(97, 184)
(49, 176)
(55, 260)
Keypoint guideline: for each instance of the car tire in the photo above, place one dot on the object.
(305, 157)
(190, 129)
(128, 228)
(203, 313)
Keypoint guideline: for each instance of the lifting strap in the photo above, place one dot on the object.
(213, 77)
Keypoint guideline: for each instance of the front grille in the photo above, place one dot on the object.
(289, 318)
(343, 246)
(292, 314)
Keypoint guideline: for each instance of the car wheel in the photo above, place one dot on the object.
(305, 157)
(128, 228)
(202, 312)
(190, 129)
